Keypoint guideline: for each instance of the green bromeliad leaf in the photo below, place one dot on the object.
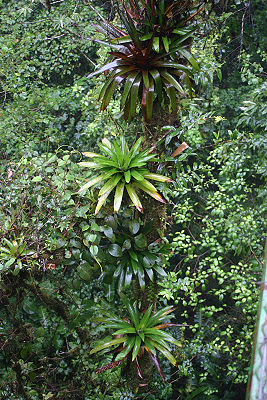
(122, 168)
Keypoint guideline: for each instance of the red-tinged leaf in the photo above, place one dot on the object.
(148, 185)
(129, 26)
(109, 27)
(180, 149)
(156, 363)
(138, 368)
(145, 78)
(153, 194)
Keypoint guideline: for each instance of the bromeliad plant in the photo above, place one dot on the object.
(122, 169)
(136, 334)
(12, 255)
(150, 55)
(132, 255)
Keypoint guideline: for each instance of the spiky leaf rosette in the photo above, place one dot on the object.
(138, 333)
(150, 57)
(122, 169)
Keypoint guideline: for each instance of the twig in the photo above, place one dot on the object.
(242, 31)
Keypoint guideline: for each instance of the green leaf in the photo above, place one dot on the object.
(115, 250)
(130, 342)
(160, 313)
(157, 177)
(190, 58)
(137, 175)
(134, 266)
(110, 184)
(118, 196)
(127, 176)
(134, 150)
(159, 270)
(145, 318)
(141, 277)
(165, 352)
(150, 346)
(164, 335)
(129, 26)
(133, 196)
(127, 86)
(102, 200)
(122, 39)
(145, 78)
(158, 83)
(121, 281)
(156, 44)
(128, 277)
(134, 227)
(125, 330)
(150, 274)
(134, 95)
(165, 41)
(155, 195)
(140, 241)
(107, 344)
(37, 179)
(132, 312)
(106, 67)
(124, 147)
(118, 152)
(10, 262)
(173, 81)
(136, 347)
(127, 244)
(99, 178)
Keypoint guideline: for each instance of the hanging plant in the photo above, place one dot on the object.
(131, 256)
(138, 333)
(150, 57)
(122, 169)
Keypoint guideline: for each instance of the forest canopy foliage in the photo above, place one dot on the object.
(63, 265)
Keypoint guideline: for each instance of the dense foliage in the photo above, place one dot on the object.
(62, 266)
